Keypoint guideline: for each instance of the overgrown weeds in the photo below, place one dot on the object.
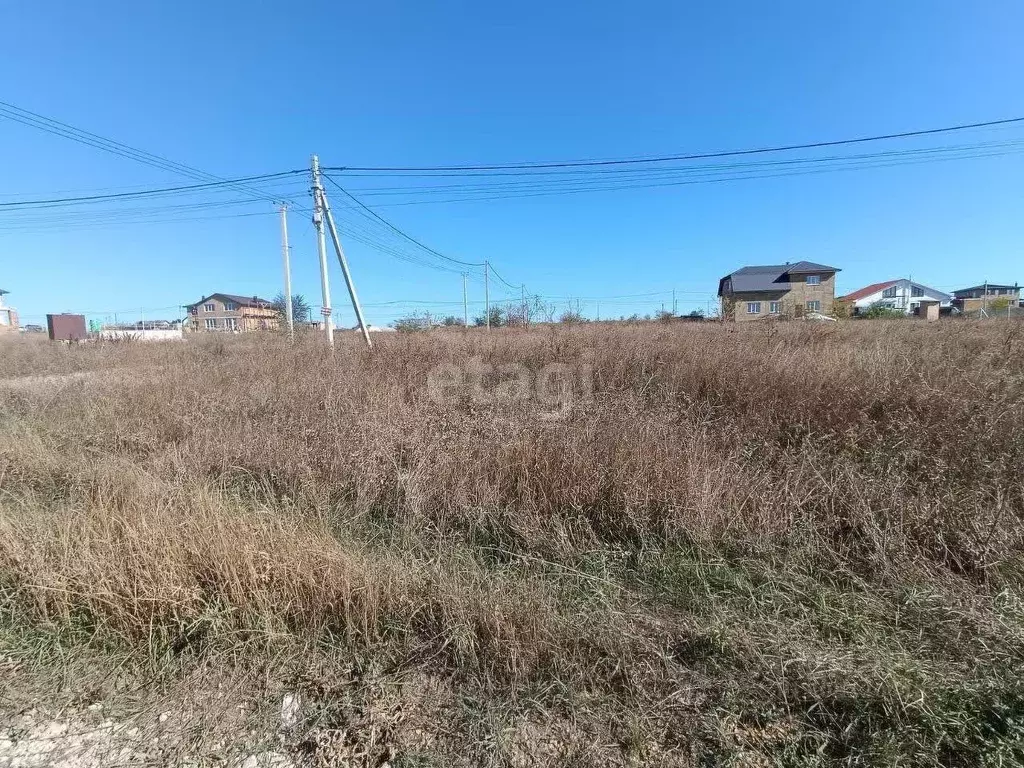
(739, 548)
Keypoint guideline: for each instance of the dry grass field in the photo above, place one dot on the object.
(682, 545)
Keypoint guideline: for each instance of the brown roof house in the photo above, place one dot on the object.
(800, 289)
(228, 313)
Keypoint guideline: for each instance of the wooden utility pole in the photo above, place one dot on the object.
(487, 295)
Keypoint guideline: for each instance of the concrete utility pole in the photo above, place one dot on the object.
(984, 300)
(285, 256)
(465, 302)
(487, 295)
(321, 249)
(344, 268)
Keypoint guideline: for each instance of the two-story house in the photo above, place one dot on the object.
(781, 290)
(226, 312)
(981, 297)
(8, 316)
(902, 294)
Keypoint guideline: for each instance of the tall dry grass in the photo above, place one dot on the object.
(775, 545)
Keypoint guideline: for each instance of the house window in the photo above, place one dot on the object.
(889, 293)
(231, 323)
(814, 306)
(211, 323)
(211, 307)
(230, 306)
(753, 307)
(916, 291)
(775, 307)
(814, 279)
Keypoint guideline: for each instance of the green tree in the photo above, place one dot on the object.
(300, 308)
(877, 311)
(497, 318)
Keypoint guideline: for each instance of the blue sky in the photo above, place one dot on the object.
(239, 88)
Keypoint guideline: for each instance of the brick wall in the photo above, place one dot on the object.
(793, 302)
(739, 302)
(221, 315)
(801, 292)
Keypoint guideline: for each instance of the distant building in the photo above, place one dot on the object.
(800, 289)
(227, 313)
(8, 315)
(902, 294)
(980, 297)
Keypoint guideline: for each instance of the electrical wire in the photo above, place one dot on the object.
(368, 231)
(564, 179)
(694, 156)
(502, 279)
(52, 202)
(65, 130)
(613, 187)
(87, 225)
(398, 231)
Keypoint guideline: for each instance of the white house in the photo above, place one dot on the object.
(8, 315)
(900, 294)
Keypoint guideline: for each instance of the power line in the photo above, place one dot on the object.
(85, 225)
(398, 231)
(65, 130)
(618, 186)
(367, 230)
(502, 279)
(574, 174)
(696, 156)
(22, 204)
(574, 177)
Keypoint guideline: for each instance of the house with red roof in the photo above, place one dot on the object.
(902, 294)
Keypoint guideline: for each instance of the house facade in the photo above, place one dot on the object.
(983, 297)
(902, 294)
(228, 313)
(8, 316)
(800, 289)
